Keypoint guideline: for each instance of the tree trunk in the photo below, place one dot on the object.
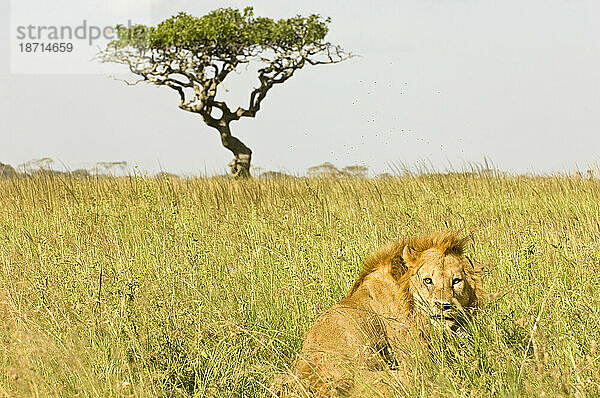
(239, 167)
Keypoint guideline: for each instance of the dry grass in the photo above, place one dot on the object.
(204, 287)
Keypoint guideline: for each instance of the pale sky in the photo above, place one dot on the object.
(441, 82)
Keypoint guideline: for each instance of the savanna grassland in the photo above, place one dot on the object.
(204, 287)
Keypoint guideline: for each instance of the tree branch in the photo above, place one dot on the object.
(181, 69)
(283, 66)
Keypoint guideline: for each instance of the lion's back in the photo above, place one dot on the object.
(340, 339)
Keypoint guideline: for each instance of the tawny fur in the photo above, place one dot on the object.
(350, 347)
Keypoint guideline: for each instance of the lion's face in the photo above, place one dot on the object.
(441, 285)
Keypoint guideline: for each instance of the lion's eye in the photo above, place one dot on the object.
(456, 281)
(428, 281)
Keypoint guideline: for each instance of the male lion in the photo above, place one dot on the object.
(403, 289)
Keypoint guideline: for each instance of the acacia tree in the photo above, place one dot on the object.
(194, 56)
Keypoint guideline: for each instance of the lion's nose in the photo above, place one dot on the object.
(444, 306)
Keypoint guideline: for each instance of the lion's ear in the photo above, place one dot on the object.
(397, 265)
(409, 255)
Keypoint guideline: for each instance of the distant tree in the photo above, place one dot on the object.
(257, 170)
(37, 164)
(81, 173)
(274, 175)
(7, 171)
(326, 169)
(111, 167)
(357, 171)
(193, 56)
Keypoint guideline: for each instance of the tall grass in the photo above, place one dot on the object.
(204, 287)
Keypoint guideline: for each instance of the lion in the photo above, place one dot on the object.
(404, 289)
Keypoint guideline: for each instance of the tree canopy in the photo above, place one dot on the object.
(225, 31)
(194, 55)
